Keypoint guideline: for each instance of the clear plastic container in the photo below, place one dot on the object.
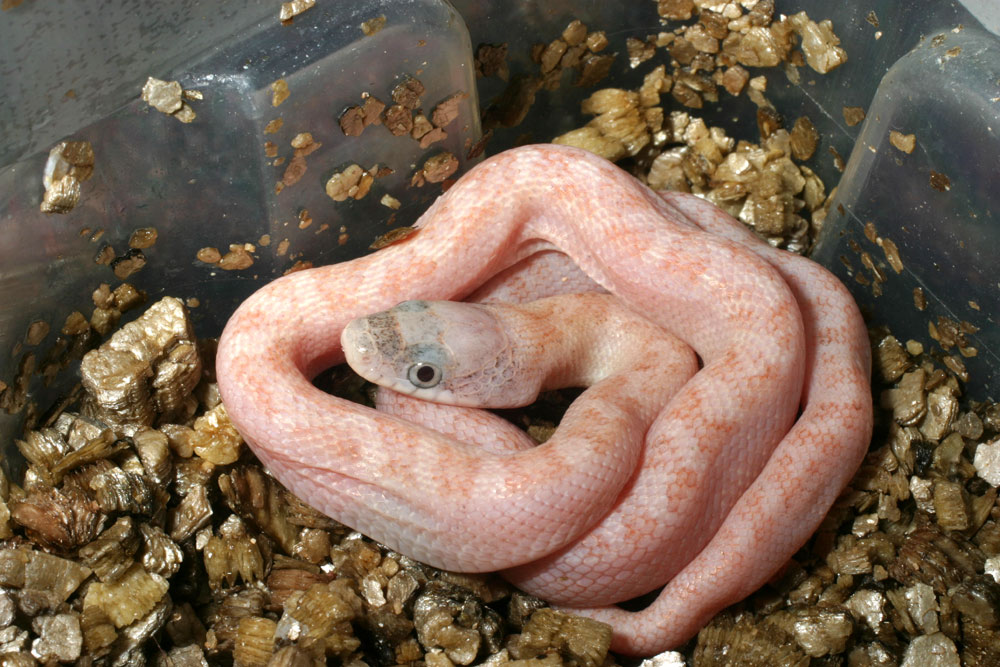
(210, 182)
(935, 211)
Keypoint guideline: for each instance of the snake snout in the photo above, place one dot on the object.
(360, 349)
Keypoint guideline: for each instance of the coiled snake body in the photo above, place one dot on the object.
(723, 488)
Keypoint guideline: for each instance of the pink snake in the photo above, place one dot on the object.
(729, 483)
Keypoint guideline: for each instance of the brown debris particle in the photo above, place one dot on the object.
(596, 41)
(407, 93)
(436, 169)
(687, 96)
(352, 121)
(701, 39)
(870, 232)
(15, 395)
(764, 643)
(304, 219)
(478, 148)
(126, 297)
(323, 612)
(75, 324)
(254, 640)
(654, 84)
(853, 115)
(804, 139)
(892, 255)
(304, 144)
(735, 79)
(682, 51)
(838, 160)
(132, 261)
(274, 125)
(491, 60)
(768, 122)
(74, 158)
(105, 255)
(513, 104)
(434, 136)
(372, 26)
(950, 333)
(164, 96)
(819, 44)
(594, 68)
(756, 47)
(303, 141)
(904, 142)
(37, 331)
(295, 170)
(270, 149)
(940, 182)
(132, 381)
(577, 640)
(372, 110)
(956, 366)
(619, 129)
(891, 359)
(58, 519)
(62, 196)
(69, 164)
(398, 119)
(639, 51)
(142, 238)
(168, 97)
(353, 182)
(447, 111)
(290, 10)
(300, 265)
(390, 237)
(919, 299)
(551, 55)
(209, 255)
(238, 258)
(129, 598)
(421, 126)
(215, 439)
(877, 275)
(102, 296)
(675, 10)
(279, 92)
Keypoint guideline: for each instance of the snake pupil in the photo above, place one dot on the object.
(423, 375)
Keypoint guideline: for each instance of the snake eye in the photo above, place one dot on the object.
(423, 375)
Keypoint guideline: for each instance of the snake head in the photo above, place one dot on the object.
(440, 351)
